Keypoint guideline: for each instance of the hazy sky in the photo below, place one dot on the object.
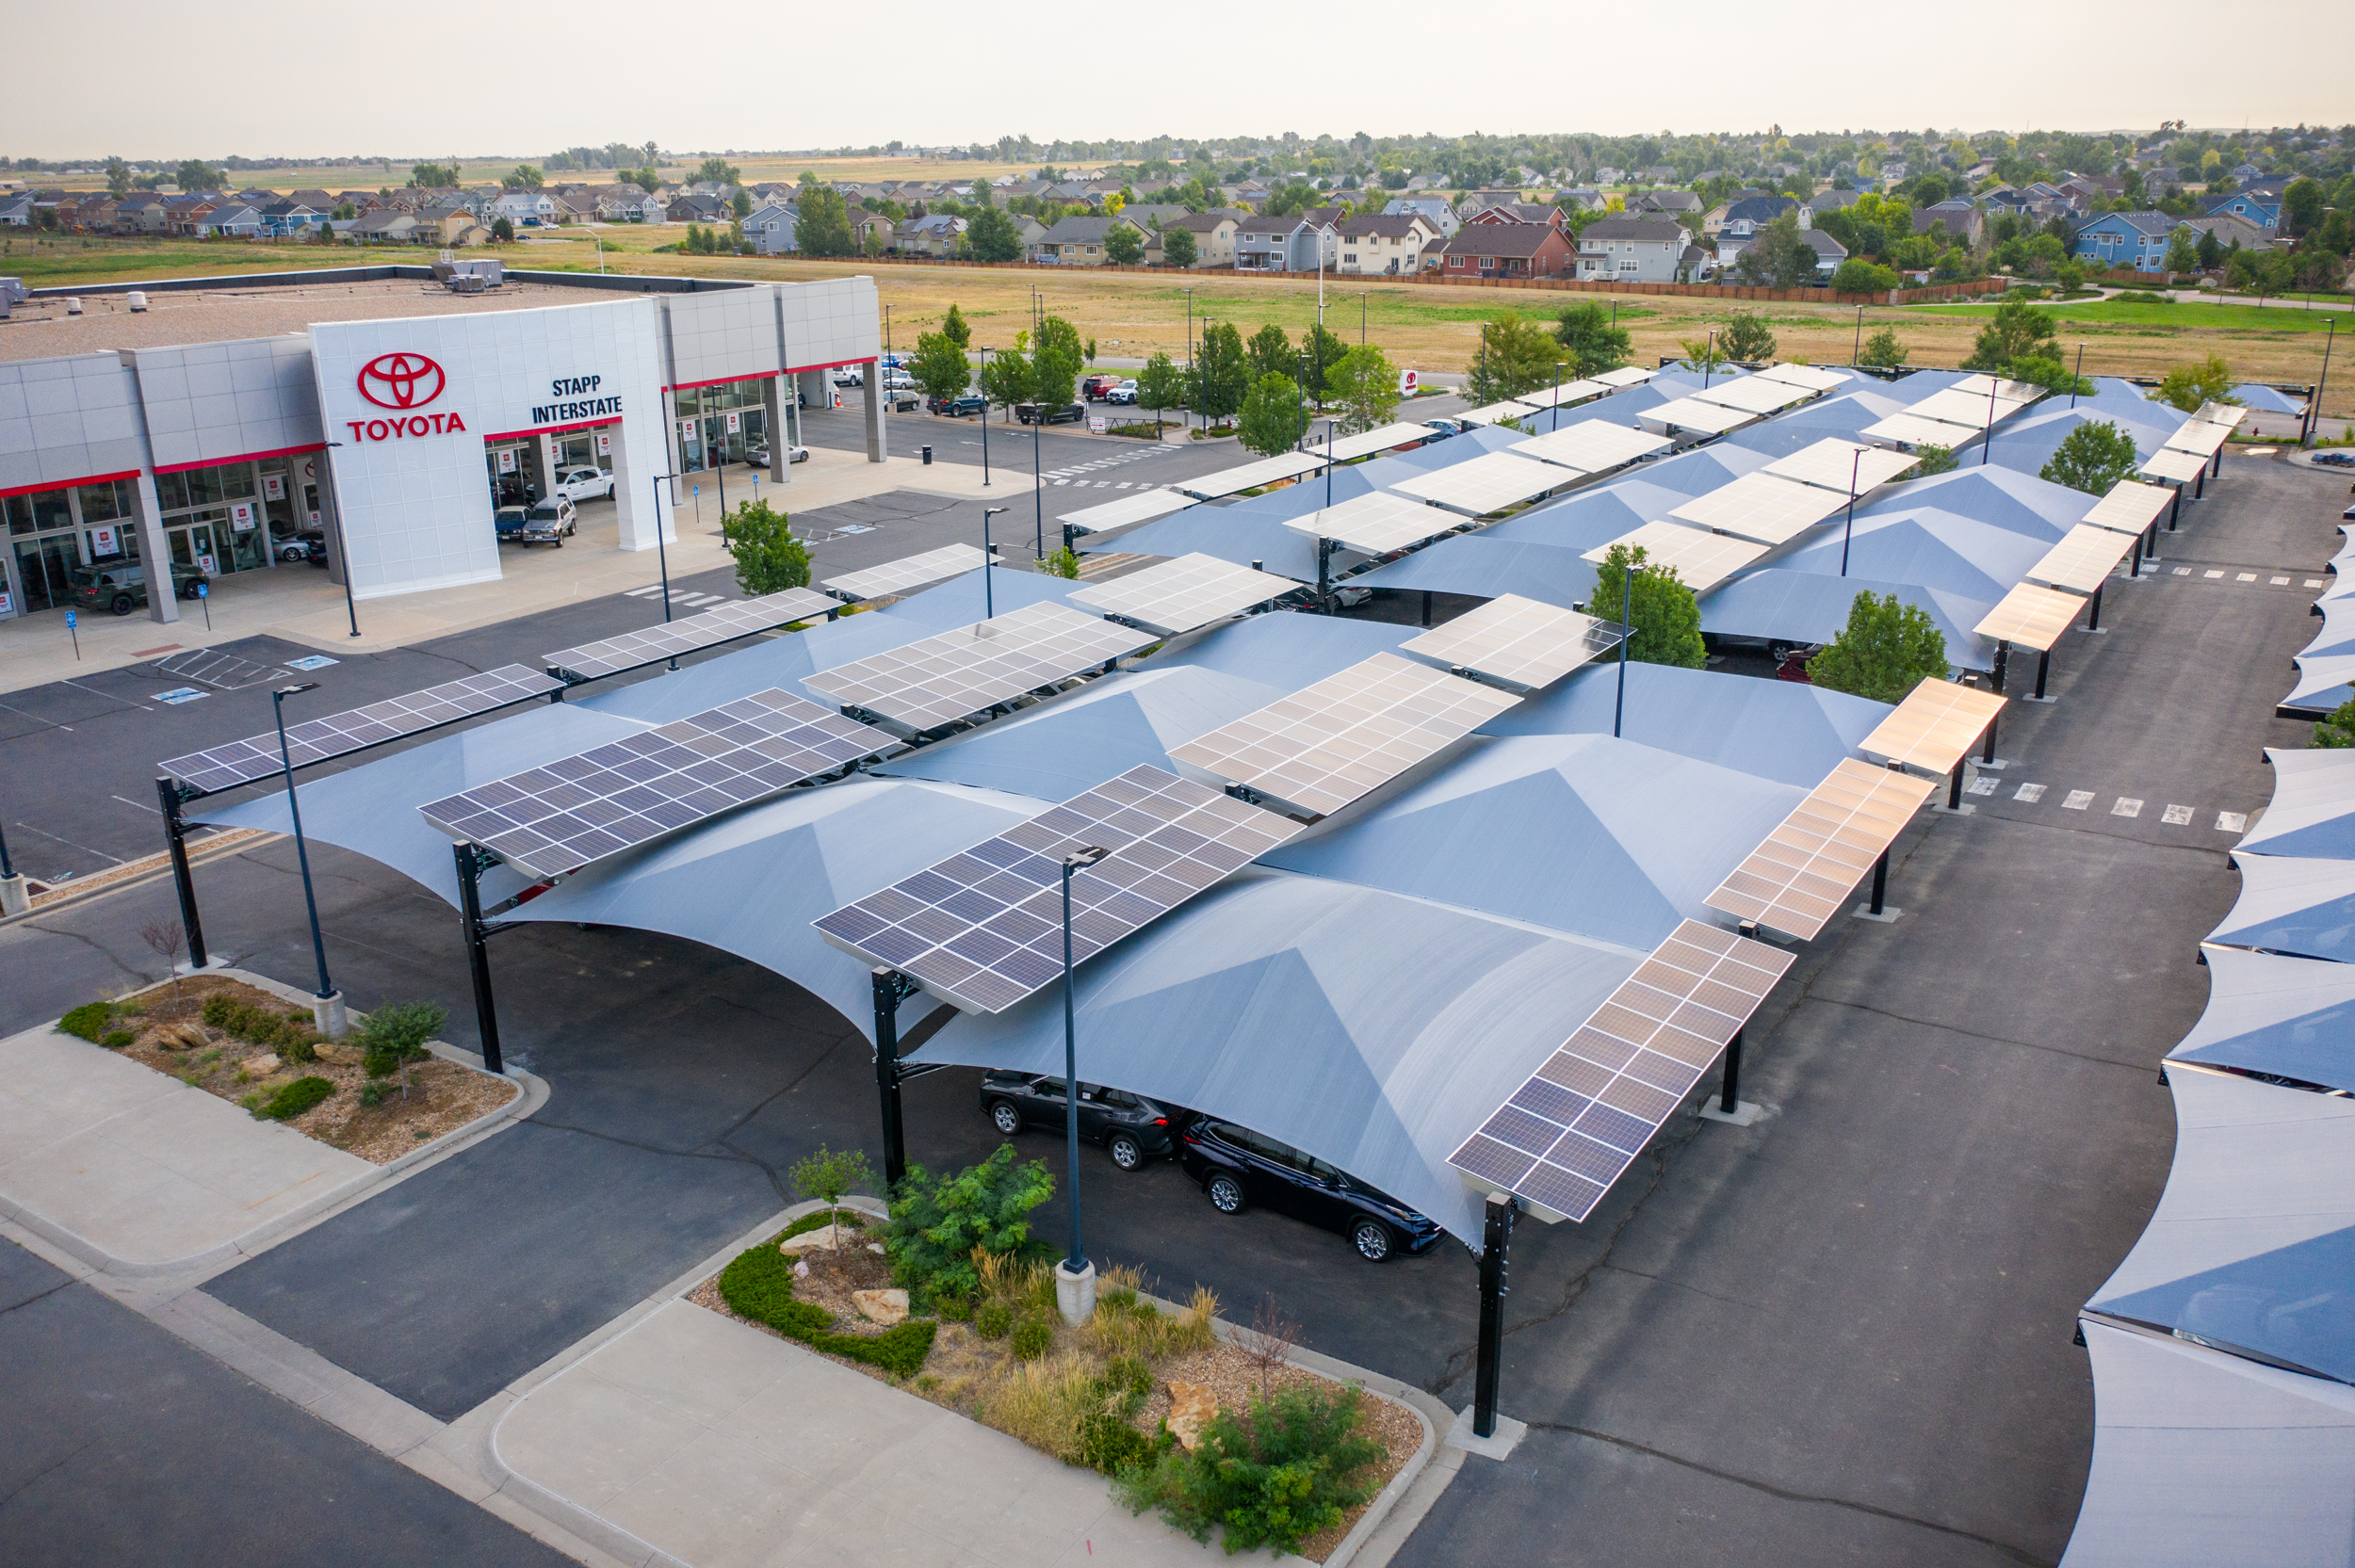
(156, 78)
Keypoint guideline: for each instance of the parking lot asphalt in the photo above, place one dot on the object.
(124, 1444)
(1842, 1334)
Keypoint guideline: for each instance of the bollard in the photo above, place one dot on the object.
(928, 457)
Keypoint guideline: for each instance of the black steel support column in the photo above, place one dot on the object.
(1732, 1075)
(2175, 508)
(1325, 577)
(1426, 607)
(2136, 570)
(2200, 485)
(1495, 1243)
(176, 839)
(2003, 660)
(1954, 789)
(891, 990)
(1988, 756)
(1880, 882)
(2151, 544)
(2043, 667)
(478, 953)
(2093, 617)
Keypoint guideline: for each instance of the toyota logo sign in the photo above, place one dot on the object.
(400, 381)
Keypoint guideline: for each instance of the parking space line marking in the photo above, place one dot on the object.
(2212, 573)
(2030, 793)
(2279, 582)
(2246, 578)
(2314, 582)
(1983, 785)
(2183, 570)
(2175, 816)
(2231, 821)
(2078, 799)
(2127, 806)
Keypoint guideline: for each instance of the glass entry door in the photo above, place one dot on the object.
(193, 546)
(45, 567)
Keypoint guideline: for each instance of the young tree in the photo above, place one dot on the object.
(1064, 563)
(1702, 356)
(825, 226)
(1274, 416)
(1661, 612)
(1222, 372)
(827, 1175)
(1161, 386)
(2047, 371)
(1592, 343)
(165, 938)
(1515, 355)
(2017, 330)
(1178, 248)
(1056, 361)
(502, 229)
(1858, 275)
(955, 328)
(2206, 380)
(1007, 379)
(1887, 649)
(1777, 257)
(1933, 459)
(940, 367)
(768, 559)
(394, 1036)
(1883, 350)
(1123, 245)
(2337, 733)
(1365, 384)
(1320, 352)
(2181, 255)
(1272, 353)
(2092, 458)
(1746, 337)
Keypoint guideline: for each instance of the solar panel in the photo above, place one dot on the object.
(357, 729)
(1517, 640)
(908, 572)
(1366, 443)
(2175, 464)
(1179, 596)
(1795, 880)
(1489, 482)
(724, 623)
(1755, 393)
(2199, 436)
(1581, 1120)
(2083, 561)
(1935, 727)
(2227, 415)
(1702, 559)
(1142, 506)
(1833, 463)
(1497, 413)
(1974, 409)
(554, 819)
(941, 679)
(983, 928)
(1251, 476)
(1691, 413)
(2006, 391)
(1627, 375)
(1914, 431)
(1592, 445)
(1759, 507)
(1325, 745)
(1563, 396)
(1805, 375)
(1376, 523)
(2130, 507)
(2030, 617)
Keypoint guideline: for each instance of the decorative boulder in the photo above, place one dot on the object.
(1191, 1407)
(825, 1239)
(885, 1307)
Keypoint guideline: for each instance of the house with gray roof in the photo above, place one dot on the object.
(1078, 241)
(1432, 208)
(1632, 249)
(1293, 243)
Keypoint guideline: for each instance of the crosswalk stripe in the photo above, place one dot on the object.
(2030, 793)
(647, 591)
(2231, 821)
(2175, 816)
(2078, 799)
(2126, 807)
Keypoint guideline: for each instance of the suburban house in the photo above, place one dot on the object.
(232, 221)
(1829, 252)
(1149, 215)
(1962, 223)
(2138, 240)
(1289, 244)
(2229, 232)
(17, 210)
(1078, 241)
(385, 225)
(1632, 249)
(1745, 215)
(935, 234)
(185, 215)
(1517, 212)
(1432, 208)
(1391, 246)
(2260, 207)
(1584, 200)
(1683, 205)
(521, 206)
(1507, 251)
(630, 204)
(1213, 236)
(695, 207)
(866, 225)
(285, 218)
(770, 229)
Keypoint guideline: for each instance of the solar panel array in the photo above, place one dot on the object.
(1627, 375)
(1581, 1120)
(1692, 413)
(1497, 413)
(2083, 561)
(2030, 617)
(941, 679)
(1142, 506)
(1755, 393)
(1972, 409)
(1592, 445)
(1180, 594)
(983, 928)
(723, 623)
(1759, 507)
(2006, 391)
(1489, 482)
(1517, 640)
(1376, 523)
(1327, 744)
(1795, 880)
(908, 572)
(1701, 559)
(357, 729)
(2227, 415)
(1833, 463)
(1914, 431)
(1565, 394)
(553, 819)
(1251, 476)
(2197, 435)
(2130, 507)
(1365, 444)
(2174, 463)
(1805, 375)
(1935, 727)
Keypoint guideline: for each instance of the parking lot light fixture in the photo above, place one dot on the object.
(1558, 367)
(985, 386)
(327, 1006)
(989, 604)
(1074, 1261)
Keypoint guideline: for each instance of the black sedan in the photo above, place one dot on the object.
(1237, 1166)
(1131, 1128)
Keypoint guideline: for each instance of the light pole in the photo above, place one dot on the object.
(1190, 334)
(2076, 375)
(1856, 354)
(1557, 392)
(1038, 479)
(989, 603)
(662, 556)
(1849, 532)
(326, 1004)
(1708, 358)
(1987, 442)
(1076, 1271)
(1361, 319)
(1627, 634)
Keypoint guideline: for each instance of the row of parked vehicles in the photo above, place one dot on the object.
(1235, 1167)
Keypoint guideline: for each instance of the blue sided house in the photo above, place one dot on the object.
(2128, 239)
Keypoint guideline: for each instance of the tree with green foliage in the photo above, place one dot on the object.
(2092, 458)
(1162, 384)
(1365, 385)
(1064, 563)
(2047, 371)
(2210, 250)
(196, 175)
(2337, 733)
(940, 366)
(718, 171)
(768, 559)
(823, 228)
(1858, 275)
(954, 327)
(1930, 458)
(395, 1035)
(991, 234)
(1701, 355)
(1516, 355)
(502, 229)
(936, 1222)
(1123, 245)
(1664, 617)
(1882, 350)
(1777, 257)
(118, 178)
(1592, 344)
(523, 176)
(1056, 361)
(2181, 255)
(1177, 247)
(2303, 204)
(1222, 372)
(1272, 353)
(827, 1175)
(1007, 380)
(1745, 336)
(433, 176)
(1887, 649)
(741, 204)
(2016, 331)
(1274, 416)
(1321, 351)
(2205, 381)
(1271, 1475)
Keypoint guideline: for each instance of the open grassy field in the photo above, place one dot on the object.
(1427, 327)
(375, 176)
(2125, 312)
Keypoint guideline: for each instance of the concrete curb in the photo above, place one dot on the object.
(268, 1234)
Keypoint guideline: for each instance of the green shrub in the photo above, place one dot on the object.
(937, 1223)
(89, 1021)
(375, 1095)
(1034, 1337)
(289, 1034)
(295, 1052)
(993, 1320)
(1128, 1375)
(1108, 1443)
(117, 1039)
(296, 1098)
(1274, 1475)
(954, 1309)
(216, 1010)
(395, 1035)
(759, 1286)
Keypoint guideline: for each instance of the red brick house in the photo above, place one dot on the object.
(1507, 251)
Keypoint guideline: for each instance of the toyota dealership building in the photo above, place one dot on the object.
(391, 436)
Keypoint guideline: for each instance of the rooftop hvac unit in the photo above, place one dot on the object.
(465, 282)
(137, 299)
(72, 306)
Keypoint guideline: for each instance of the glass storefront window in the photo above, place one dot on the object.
(39, 512)
(171, 491)
(104, 502)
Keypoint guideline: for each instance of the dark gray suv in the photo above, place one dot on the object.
(1131, 1128)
